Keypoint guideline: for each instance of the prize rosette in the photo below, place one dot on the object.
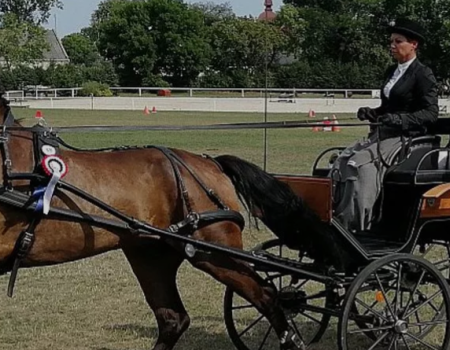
(53, 165)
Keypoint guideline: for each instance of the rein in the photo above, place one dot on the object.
(230, 126)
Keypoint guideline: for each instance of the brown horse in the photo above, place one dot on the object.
(141, 184)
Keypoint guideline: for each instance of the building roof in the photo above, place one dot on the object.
(268, 14)
(56, 51)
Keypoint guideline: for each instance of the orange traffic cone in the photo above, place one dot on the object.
(154, 109)
(146, 111)
(38, 114)
(335, 127)
(327, 125)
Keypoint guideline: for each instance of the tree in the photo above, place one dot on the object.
(80, 49)
(243, 48)
(147, 39)
(20, 42)
(34, 11)
(353, 31)
(293, 26)
(214, 12)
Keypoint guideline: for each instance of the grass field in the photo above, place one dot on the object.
(96, 303)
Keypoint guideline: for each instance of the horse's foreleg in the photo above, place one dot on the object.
(155, 268)
(249, 285)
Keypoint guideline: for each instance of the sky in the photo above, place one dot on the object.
(77, 13)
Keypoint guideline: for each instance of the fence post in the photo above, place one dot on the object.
(346, 94)
(140, 92)
(73, 93)
(92, 102)
(190, 93)
(242, 93)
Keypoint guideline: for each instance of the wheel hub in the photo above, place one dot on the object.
(401, 327)
(291, 301)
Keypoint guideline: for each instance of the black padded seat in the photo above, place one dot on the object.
(374, 243)
(406, 172)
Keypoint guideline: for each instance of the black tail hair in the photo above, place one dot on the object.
(283, 212)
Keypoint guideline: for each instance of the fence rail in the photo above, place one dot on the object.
(40, 92)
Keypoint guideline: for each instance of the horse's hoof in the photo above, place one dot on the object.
(291, 341)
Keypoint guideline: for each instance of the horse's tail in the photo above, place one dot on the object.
(281, 210)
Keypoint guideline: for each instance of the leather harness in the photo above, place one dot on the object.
(44, 136)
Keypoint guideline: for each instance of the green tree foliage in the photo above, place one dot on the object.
(214, 12)
(152, 38)
(242, 49)
(33, 11)
(20, 42)
(354, 31)
(81, 49)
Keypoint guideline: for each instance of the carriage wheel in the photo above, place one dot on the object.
(249, 329)
(438, 253)
(397, 298)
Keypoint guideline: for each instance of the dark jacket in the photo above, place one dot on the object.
(414, 97)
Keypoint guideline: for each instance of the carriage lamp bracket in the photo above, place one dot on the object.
(431, 202)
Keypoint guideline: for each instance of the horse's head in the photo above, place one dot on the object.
(16, 146)
(16, 156)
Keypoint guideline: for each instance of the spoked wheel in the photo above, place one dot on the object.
(438, 253)
(249, 329)
(402, 302)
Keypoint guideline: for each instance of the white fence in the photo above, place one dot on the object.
(40, 92)
(204, 100)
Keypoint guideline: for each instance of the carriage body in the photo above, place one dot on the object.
(414, 202)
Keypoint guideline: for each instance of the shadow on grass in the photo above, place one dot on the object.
(199, 338)
(195, 338)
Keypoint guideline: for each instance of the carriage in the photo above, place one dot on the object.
(370, 300)
(384, 287)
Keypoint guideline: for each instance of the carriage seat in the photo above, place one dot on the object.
(427, 163)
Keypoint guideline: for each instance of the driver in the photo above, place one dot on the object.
(409, 105)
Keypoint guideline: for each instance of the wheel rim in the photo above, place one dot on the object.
(403, 303)
(249, 330)
(437, 253)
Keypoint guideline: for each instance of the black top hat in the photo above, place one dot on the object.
(408, 28)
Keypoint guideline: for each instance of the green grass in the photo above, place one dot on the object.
(96, 303)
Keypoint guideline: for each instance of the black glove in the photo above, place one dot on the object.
(366, 113)
(392, 120)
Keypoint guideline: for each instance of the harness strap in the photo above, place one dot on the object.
(21, 250)
(180, 182)
(211, 194)
(7, 165)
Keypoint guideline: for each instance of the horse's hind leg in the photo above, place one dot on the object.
(155, 266)
(248, 284)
